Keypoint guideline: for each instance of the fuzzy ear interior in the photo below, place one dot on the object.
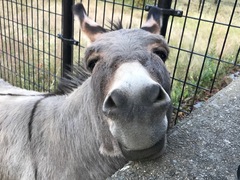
(88, 26)
(154, 21)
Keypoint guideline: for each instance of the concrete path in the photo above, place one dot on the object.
(206, 146)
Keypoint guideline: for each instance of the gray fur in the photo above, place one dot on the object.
(62, 145)
(83, 133)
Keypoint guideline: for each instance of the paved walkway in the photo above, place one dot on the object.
(205, 146)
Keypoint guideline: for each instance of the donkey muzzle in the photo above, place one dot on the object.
(144, 154)
(119, 101)
(135, 108)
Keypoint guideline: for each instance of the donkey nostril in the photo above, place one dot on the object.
(109, 103)
(155, 93)
(160, 95)
(115, 100)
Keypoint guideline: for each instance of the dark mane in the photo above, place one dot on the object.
(114, 25)
(74, 79)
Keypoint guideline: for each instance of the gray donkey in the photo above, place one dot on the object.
(120, 112)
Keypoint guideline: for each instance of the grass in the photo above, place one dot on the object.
(28, 42)
(31, 46)
(214, 49)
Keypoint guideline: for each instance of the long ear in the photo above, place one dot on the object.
(154, 21)
(88, 26)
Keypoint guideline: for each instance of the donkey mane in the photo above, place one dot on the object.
(73, 79)
(115, 25)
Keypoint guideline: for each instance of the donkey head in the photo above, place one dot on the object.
(130, 83)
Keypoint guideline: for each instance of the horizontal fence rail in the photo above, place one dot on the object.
(204, 42)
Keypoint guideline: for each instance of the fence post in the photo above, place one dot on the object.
(165, 4)
(67, 32)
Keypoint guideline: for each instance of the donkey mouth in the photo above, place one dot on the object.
(145, 154)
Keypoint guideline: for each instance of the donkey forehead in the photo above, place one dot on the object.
(126, 39)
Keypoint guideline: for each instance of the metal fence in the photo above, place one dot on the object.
(30, 54)
(204, 42)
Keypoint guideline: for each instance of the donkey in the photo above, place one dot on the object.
(118, 112)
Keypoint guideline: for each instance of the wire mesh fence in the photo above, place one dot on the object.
(204, 43)
(207, 49)
(30, 54)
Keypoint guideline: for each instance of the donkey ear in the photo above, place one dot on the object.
(88, 26)
(154, 21)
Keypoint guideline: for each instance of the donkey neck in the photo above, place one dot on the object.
(87, 131)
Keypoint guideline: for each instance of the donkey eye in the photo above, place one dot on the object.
(91, 64)
(161, 54)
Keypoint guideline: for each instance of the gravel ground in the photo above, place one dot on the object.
(206, 146)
